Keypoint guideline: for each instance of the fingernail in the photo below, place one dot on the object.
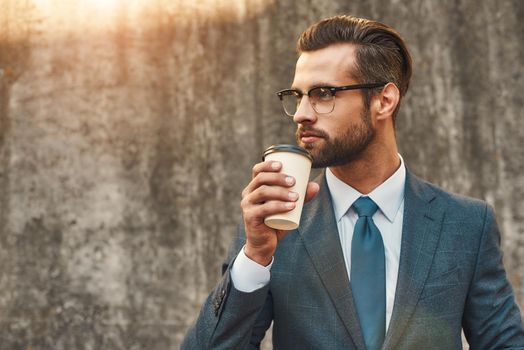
(290, 205)
(289, 180)
(292, 195)
(275, 165)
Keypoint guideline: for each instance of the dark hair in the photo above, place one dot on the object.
(381, 54)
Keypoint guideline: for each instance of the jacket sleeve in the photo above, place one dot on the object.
(229, 318)
(491, 319)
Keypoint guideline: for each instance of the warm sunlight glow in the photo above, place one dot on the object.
(103, 6)
(62, 16)
(90, 14)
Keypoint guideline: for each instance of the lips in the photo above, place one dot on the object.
(309, 136)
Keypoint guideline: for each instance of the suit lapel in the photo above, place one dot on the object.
(319, 233)
(423, 214)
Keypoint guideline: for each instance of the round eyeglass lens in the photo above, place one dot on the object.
(290, 102)
(322, 100)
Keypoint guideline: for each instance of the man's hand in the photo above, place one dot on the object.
(267, 194)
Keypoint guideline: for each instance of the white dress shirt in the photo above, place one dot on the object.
(248, 276)
(389, 197)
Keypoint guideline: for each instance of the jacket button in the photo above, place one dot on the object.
(218, 301)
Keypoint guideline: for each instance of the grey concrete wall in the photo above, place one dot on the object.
(128, 131)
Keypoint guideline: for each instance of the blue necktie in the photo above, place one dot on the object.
(368, 274)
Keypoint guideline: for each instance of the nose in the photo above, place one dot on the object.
(305, 112)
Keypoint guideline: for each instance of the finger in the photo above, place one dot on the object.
(266, 193)
(311, 191)
(268, 179)
(257, 213)
(267, 166)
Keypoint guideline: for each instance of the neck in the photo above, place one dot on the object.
(375, 166)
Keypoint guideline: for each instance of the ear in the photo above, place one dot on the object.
(387, 101)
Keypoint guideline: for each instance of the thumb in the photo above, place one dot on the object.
(311, 191)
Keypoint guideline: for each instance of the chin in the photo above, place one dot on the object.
(310, 147)
(316, 155)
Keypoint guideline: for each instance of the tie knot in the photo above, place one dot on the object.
(364, 206)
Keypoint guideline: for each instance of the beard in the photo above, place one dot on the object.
(340, 150)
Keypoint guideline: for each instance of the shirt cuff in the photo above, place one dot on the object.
(248, 275)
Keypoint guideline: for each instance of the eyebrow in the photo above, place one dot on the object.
(316, 85)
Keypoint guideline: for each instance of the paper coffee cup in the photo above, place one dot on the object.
(296, 162)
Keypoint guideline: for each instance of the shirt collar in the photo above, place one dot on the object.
(388, 195)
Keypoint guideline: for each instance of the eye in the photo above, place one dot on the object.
(321, 94)
(295, 95)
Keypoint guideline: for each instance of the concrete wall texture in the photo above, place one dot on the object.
(128, 130)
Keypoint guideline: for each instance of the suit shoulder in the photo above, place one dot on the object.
(457, 203)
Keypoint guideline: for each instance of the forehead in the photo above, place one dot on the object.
(331, 65)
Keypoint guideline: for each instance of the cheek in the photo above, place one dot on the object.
(336, 128)
(349, 108)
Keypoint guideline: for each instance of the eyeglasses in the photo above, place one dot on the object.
(321, 98)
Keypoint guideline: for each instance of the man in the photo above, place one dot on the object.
(381, 259)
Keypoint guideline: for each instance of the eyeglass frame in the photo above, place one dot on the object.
(332, 89)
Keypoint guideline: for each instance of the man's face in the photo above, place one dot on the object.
(341, 136)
